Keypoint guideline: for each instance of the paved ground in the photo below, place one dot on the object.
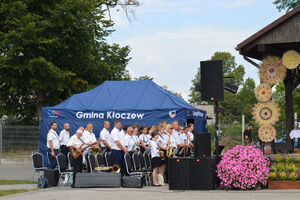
(150, 193)
(19, 186)
(24, 171)
(16, 171)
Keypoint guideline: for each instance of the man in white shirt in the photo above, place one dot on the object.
(106, 137)
(89, 137)
(64, 137)
(75, 142)
(118, 149)
(53, 145)
(129, 142)
(175, 130)
(181, 141)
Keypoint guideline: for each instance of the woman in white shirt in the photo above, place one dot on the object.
(156, 161)
(143, 138)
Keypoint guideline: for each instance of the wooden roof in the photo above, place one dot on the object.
(281, 35)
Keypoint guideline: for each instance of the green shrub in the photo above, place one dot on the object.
(272, 176)
(288, 159)
(278, 158)
(282, 176)
(273, 168)
(280, 167)
(290, 167)
(293, 176)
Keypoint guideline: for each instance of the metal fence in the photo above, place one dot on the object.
(18, 139)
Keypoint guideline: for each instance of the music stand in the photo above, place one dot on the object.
(220, 149)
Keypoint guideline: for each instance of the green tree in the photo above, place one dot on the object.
(145, 77)
(50, 50)
(286, 4)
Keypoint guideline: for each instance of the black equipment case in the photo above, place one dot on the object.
(97, 179)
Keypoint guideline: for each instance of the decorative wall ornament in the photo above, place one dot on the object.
(263, 92)
(267, 133)
(266, 113)
(272, 71)
(291, 59)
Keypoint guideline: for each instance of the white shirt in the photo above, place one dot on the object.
(163, 138)
(123, 134)
(176, 134)
(116, 135)
(74, 141)
(64, 137)
(88, 137)
(191, 136)
(295, 134)
(129, 142)
(52, 135)
(173, 142)
(137, 142)
(105, 135)
(154, 149)
(145, 138)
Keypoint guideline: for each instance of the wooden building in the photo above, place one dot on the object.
(281, 35)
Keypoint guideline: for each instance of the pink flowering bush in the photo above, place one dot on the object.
(243, 167)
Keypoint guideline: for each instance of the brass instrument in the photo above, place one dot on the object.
(115, 168)
(162, 155)
(169, 152)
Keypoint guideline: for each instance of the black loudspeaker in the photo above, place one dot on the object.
(212, 81)
(52, 176)
(179, 173)
(201, 174)
(202, 145)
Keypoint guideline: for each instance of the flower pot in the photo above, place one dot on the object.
(284, 184)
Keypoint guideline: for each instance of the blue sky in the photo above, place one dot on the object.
(169, 38)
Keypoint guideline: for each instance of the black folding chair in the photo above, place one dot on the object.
(110, 161)
(138, 167)
(62, 165)
(37, 164)
(144, 166)
(100, 159)
(92, 162)
(129, 167)
(147, 161)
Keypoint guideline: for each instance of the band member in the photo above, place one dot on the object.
(156, 161)
(136, 139)
(162, 143)
(175, 129)
(129, 142)
(181, 141)
(53, 145)
(89, 137)
(75, 142)
(106, 137)
(248, 134)
(190, 131)
(118, 149)
(64, 137)
(144, 139)
(189, 140)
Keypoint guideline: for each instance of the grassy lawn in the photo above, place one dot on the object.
(16, 191)
(16, 182)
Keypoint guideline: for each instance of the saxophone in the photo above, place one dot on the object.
(169, 152)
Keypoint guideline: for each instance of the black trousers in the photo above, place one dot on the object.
(76, 164)
(64, 150)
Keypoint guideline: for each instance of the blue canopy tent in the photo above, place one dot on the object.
(142, 102)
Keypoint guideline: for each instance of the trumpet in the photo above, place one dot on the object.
(115, 168)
